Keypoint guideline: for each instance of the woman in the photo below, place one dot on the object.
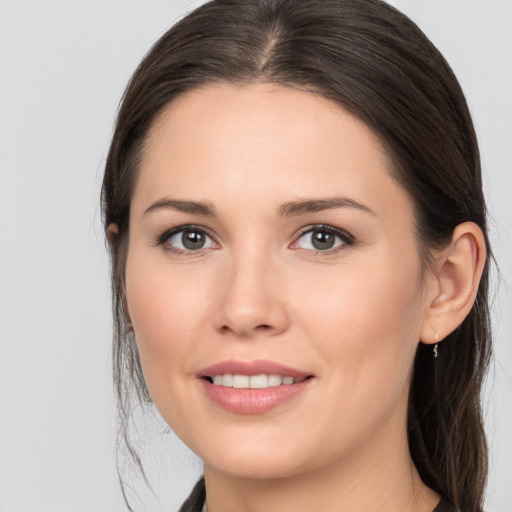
(294, 207)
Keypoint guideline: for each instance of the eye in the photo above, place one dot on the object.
(186, 239)
(323, 239)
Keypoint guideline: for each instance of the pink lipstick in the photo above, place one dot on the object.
(252, 387)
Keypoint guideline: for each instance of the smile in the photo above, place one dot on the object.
(261, 381)
(253, 387)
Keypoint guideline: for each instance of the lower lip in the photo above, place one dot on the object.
(252, 401)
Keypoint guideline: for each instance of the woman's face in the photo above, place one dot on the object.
(268, 237)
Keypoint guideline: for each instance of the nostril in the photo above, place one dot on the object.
(264, 327)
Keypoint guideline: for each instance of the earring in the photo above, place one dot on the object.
(435, 346)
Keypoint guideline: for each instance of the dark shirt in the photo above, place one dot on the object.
(195, 502)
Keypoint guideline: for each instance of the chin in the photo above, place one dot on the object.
(261, 469)
(255, 459)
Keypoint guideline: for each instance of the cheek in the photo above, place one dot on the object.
(365, 324)
(368, 318)
(167, 312)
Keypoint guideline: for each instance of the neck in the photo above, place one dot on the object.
(377, 476)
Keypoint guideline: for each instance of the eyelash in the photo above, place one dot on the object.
(163, 239)
(346, 238)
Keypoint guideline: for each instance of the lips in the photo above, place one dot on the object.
(252, 387)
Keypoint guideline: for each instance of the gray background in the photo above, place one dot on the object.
(63, 67)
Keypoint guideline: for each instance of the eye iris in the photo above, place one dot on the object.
(322, 240)
(192, 239)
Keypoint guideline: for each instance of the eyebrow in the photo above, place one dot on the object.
(301, 207)
(289, 209)
(196, 207)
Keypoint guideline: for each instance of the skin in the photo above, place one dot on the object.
(351, 316)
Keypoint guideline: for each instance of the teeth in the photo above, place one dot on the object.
(227, 380)
(274, 380)
(239, 381)
(258, 381)
(254, 381)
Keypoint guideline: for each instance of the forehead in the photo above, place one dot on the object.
(262, 141)
(259, 111)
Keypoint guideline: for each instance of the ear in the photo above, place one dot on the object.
(457, 272)
(112, 232)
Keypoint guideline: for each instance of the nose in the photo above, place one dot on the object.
(252, 298)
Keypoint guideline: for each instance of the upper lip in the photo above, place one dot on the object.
(255, 367)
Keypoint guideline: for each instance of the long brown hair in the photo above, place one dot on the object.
(377, 63)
